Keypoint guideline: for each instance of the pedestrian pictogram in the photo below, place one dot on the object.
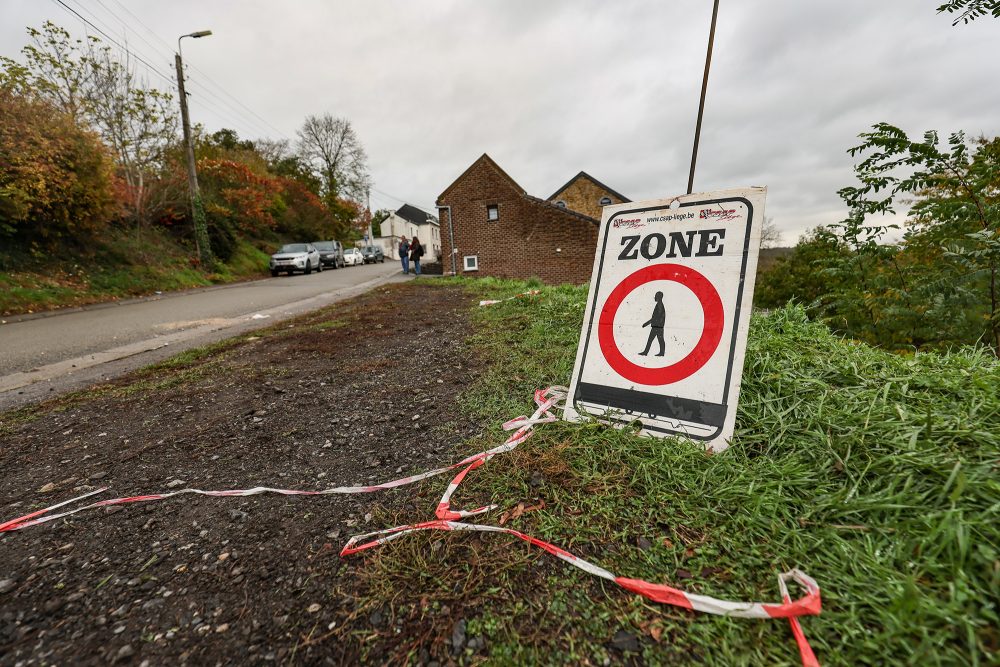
(664, 333)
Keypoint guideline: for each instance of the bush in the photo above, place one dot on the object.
(56, 178)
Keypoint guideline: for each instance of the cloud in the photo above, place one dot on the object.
(551, 88)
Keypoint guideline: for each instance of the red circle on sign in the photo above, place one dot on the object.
(711, 305)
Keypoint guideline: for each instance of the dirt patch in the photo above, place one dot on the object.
(360, 392)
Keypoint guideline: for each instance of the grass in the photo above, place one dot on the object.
(121, 265)
(875, 473)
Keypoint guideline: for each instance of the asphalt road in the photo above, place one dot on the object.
(47, 354)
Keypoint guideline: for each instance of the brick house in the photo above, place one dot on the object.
(585, 194)
(498, 229)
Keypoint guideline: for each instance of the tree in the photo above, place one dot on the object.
(970, 10)
(87, 82)
(378, 217)
(334, 151)
(957, 211)
(804, 275)
(770, 235)
(137, 121)
(56, 179)
(54, 69)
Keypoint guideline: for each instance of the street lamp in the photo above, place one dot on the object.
(201, 242)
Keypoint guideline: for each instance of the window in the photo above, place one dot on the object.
(561, 204)
(492, 212)
(605, 201)
(471, 262)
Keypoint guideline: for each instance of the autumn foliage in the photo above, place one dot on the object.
(85, 143)
(56, 178)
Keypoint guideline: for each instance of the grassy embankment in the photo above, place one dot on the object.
(875, 473)
(121, 265)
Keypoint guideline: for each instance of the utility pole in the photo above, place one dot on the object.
(201, 242)
(368, 208)
(701, 104)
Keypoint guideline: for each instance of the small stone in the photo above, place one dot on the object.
(175, 483)
(48, 487)
(7, 585)
(125, 652)
(221, 628)
(314, 607)
(99, 475)
(458, 635)
(223, 556)
(415, 417)
(625, 641)
(644, 544)
(377, 618)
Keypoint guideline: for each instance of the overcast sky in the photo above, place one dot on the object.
(550, 87)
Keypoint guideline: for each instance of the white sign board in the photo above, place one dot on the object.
(665, 330)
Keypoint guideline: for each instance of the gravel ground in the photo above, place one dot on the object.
(360, 392)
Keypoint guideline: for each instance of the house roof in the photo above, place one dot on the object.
(567, 211)
(488, 160)
(413, 214)
(593, 180)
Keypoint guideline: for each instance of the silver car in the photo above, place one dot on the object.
(294, 257)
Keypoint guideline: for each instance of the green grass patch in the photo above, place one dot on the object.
(123, 264)
(875, 473)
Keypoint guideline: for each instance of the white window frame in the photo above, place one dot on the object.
(470, 266)
(490, 208)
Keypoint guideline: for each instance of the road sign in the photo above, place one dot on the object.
(665, 329)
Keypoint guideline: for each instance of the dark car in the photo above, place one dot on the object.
(331, 253)
(372, 254)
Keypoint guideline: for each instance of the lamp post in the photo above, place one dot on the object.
(201, 242)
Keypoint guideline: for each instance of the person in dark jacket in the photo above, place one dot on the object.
(655, 324)
(404, 254)
(416, 252)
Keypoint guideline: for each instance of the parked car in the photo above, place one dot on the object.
(331, 253)
(294, 257)
(372, 254)
(353, 257)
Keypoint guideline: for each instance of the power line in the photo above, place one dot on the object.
(209, 79)
(245, 120)
(125, 49)
(133, 53)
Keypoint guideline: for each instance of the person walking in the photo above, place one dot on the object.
(416, 252)
(655, 324)
(404, 254)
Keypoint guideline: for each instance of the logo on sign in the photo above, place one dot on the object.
(714, 214)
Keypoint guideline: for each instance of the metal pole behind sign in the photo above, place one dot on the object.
(701, 104)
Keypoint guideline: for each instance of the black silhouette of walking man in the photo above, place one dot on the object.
(655, 324)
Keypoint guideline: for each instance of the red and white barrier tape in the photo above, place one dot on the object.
(546, 400)
(490, 302)
(809, 604)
